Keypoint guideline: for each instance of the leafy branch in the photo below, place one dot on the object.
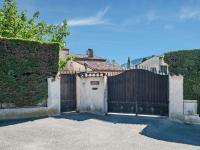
(16, 24)
(64, 61)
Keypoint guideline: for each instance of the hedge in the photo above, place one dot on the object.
(187, 63)
(24, 69)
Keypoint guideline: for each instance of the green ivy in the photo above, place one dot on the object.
(24, 68)
(63, 62)
(187, 63)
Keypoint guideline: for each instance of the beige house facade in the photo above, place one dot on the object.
(155, 64)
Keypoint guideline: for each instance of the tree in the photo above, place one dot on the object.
(10, 19)
(58, 33)
(114, 62)
(129, 63)
(16, 24)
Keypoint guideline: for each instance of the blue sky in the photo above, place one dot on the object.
(117, 29)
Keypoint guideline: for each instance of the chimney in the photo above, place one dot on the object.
(64, 52)
(90, 52)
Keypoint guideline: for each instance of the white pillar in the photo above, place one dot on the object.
(78, 84)
(106, 94)
(54, 94)
(176, 98)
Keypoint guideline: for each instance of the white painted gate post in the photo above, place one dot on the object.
(176, 98)
(54, 101)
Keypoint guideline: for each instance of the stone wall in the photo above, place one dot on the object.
(190, 112)
(190, 107)
(16, 113)
(53, 104)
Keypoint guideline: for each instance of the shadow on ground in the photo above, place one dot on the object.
(159, 128)
(9, 122)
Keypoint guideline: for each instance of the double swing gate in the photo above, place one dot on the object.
(138, 91)
(134, 91)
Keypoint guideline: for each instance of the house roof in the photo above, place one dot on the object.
(94, 62)
(100, 65)
(85, 57)
(139, 60)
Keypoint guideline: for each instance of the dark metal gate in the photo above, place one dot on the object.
(68, 92)
(138, 91)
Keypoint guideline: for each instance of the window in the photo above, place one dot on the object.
(153, 69)
(163, 69)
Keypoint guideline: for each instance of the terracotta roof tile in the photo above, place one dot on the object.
(84, 56)
(100, 65)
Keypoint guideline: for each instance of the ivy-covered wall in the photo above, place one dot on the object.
(187, 63)
(24, 69)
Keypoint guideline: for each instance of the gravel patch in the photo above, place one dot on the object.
(88, 132)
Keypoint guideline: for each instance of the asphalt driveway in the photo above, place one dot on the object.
(88, 132)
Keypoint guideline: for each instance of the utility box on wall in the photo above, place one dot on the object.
(92, 92)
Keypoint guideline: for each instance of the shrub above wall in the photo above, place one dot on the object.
(187, 63)
(24, 69)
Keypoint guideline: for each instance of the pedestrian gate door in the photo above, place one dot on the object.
(68, 92)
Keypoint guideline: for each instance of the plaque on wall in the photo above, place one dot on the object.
(94, 82)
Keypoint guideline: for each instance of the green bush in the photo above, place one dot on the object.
(24, 69)
(187, 63)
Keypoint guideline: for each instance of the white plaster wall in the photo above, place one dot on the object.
(89, 100)
(154, 62)
(190, 107)
(176, 97)
(54, 93)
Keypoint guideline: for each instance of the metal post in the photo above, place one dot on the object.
(136, 108)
